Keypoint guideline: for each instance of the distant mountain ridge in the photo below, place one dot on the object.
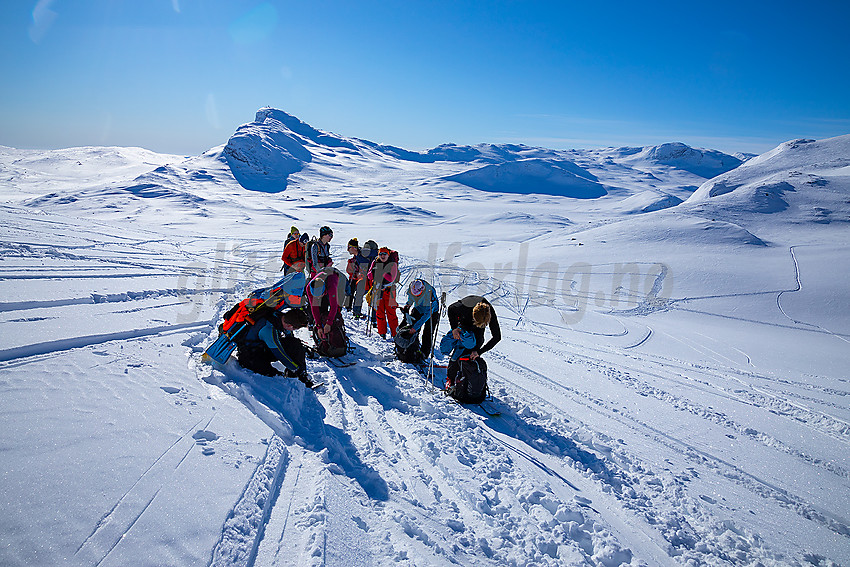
(263, 153)
(534, 175)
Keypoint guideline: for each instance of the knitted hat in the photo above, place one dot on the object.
(353, 242)
(383, 250)
(325, 230)
(294, 230)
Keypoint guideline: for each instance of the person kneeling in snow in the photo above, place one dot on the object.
(270, 339)
(325, 293)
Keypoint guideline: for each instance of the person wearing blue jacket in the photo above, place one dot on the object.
(422, 311)
(472, 314)
(271, 339)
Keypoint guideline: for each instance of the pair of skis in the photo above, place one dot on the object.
(484, 406)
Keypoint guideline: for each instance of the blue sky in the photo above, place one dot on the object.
(178, 76)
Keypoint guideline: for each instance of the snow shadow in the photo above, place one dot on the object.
(511, 424)
(370, 379)
(302, 420)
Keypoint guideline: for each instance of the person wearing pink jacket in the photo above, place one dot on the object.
(383, 275)
(323, 295)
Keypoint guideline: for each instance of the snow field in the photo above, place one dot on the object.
(671, 384)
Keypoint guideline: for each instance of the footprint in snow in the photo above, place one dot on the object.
(204, 435)
(170, 389)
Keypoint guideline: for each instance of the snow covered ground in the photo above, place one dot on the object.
(672, 378)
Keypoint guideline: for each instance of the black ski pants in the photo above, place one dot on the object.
(428, 328)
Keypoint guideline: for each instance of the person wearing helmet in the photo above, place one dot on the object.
(422, 311)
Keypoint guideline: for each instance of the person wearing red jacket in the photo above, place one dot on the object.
(294, 254)
(381, 280)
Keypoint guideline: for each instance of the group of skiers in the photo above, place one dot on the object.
(371, 277)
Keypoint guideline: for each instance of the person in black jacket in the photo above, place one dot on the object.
(270, 339)
(473, 314)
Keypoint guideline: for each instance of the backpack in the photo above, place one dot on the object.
(335, 343)
(407, 347)
(470, 385)
(324, 259)
(394, 258)
(308, 255)
(287, 292)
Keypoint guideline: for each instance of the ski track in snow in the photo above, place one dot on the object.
(121, 518)
(700, 456)
(799, 288)
(570, 463)
(365, 401)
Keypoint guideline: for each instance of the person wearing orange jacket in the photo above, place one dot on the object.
(294, 254)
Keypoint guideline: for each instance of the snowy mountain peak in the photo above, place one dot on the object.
(264, 153)
(275, 118)
(702, 162)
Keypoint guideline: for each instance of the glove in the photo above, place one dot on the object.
(368, 297)
(405, 309)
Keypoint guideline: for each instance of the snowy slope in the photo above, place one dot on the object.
(801, 182)
(30, 171)
(672, 375)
